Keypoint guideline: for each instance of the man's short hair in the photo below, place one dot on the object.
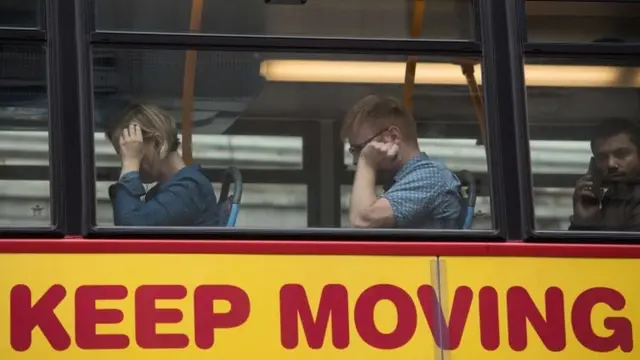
(616, 126)
(379, 111)
(153, 121)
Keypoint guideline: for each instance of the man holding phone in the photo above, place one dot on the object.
(615, 165)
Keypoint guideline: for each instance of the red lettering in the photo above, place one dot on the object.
(26, 317)
(489, 318)
(88, 317)
(365, 320)
(447, 337)
(207, 320)
(333, 305)
(581, 321)
(520, 308)
(148, 315)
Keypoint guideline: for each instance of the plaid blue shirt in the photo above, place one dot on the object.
(186, 199)
(425, 195)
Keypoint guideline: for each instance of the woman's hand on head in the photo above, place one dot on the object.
(131, 145)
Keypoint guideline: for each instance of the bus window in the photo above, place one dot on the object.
(258, 157)
(19, 13)
(277, 117)
(24, 137)
(582, 21)
(584, 151)
(444, 19)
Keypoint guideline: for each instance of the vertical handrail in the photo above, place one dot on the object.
(476, 98)
(188, 87)
(412, 61)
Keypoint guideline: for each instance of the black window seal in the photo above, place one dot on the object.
(272, 43)
(302, 234)
(22, 35)
(569, 50)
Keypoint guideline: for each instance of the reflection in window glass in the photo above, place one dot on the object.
(440, 19)
(24, 203)
(219, 151)
(272, 206)
(569, 105)
(583, 21)
(243, 92)
(19, 13)
(24, 137)
(263, 206)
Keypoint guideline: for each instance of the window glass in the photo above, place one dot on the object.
(263, 205)
(24, 137)
(440, 19)
(583, 21)
(458, 155)
(248, 108)
(218, 151)
(19, 13)
(481, 219)
(24, 203)
(570, 104)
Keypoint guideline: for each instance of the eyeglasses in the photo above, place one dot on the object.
(356, 149)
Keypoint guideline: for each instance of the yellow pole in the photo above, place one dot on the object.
(412, 61)
(188, 87)
(476, 98)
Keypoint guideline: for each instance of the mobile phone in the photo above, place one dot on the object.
(596, 178)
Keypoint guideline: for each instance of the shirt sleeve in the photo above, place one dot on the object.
(174, 205)
(414, 199)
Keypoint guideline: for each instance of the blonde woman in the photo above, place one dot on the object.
(146, 138)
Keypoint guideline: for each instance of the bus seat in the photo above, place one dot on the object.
(468, 202)
(229, 205)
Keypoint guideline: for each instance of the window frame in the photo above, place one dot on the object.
(580, 51)
(507, 224)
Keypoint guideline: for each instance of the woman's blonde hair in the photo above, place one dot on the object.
(154, 123)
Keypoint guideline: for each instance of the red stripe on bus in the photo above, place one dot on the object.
(88, 246)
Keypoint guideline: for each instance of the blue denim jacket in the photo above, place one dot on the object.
(186, 199)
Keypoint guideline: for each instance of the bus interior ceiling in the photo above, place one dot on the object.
(284, 134)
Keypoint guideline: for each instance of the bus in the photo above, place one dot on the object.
(503, 92)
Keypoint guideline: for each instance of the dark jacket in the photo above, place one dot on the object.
(186, 199)
(620, 211)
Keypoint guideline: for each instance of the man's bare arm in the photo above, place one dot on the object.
(365, 209)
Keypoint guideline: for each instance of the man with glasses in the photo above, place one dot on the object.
(383, 141)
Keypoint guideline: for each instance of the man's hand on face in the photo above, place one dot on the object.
(131, 145)
(380, 155)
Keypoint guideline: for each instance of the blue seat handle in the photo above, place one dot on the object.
(233, 176)
(467, 179)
